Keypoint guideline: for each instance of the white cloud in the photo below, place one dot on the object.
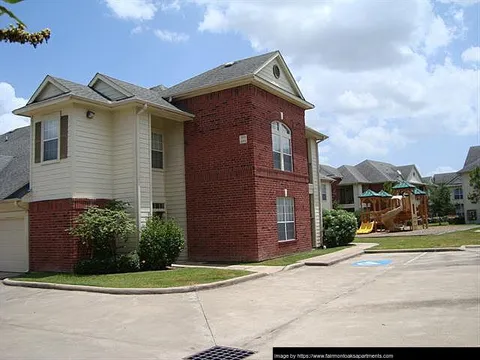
(472, 54)
(171, 36)
(9, 102)
(137, 30)
(441, 170)
(460, 2)
(170, 5)
(133, 9)
(365, 64)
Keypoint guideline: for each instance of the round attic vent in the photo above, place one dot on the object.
(276, 71)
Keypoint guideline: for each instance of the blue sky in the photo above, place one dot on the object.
(395, 81)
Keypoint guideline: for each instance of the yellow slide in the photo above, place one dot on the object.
(366, 227)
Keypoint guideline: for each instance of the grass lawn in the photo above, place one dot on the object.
(291, 259)
(455, 239)
(147, 279)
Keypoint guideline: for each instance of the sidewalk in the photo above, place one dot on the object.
(333, 258)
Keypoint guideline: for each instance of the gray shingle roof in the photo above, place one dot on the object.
(220, 74)
(81, 90)
(447, 179)
(427, 179)
(405, 170)
(329, 171)
(473, 159)
(377, 171)
(351, 175)
(142, 94)
(14, 161)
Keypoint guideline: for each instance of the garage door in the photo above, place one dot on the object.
(13, 244)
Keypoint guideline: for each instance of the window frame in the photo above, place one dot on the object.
(161, 209)
(459, 195)
(43, 140)
(285, 222)
(285, 135)
(162, 151)
(323, 194)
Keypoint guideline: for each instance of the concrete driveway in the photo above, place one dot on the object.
(419, 299)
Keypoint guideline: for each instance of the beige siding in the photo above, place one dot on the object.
(144, 168)
(283, 81)
(123, 156)
(52, 179)
(175, 175)
(92, 155)
(48, 92)
(158, 175)
(316, 206)
(108, 91)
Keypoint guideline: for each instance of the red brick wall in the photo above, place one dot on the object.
(271, 183)
(51, 247)
(231, 188)
(376, 187)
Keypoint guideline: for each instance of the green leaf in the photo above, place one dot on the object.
(4, 10)
(12, 1)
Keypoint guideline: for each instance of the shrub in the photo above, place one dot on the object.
(339, 226)
(95, 266)
(102, 229)
(160, 244)
(128, 262)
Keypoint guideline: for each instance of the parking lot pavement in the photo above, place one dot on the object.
(420, 299)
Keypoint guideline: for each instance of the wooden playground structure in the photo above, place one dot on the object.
(406, 209)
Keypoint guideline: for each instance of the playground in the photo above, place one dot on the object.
(404, 210)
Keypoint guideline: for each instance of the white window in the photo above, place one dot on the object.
(158, 210)
(458, 193)
(324, 192)
(285, 219)
(282, 147)
(51, 129)
(157, 151)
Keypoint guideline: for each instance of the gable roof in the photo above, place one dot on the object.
(405, 170)
(473, 159)
(351, 175)
(14, 161)
(404, 185)
(220, 74)
(329, 171)
(378, 172)
(451, 178)
(141, 93)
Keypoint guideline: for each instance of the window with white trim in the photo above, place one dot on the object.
(282, 147)
(324, 192)
(50, 136)
(458, 193)
(158, 210)
(285, 218)
(157, 150)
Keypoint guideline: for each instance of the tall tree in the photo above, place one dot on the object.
(17, 33)
(440, 201)
(474, 195)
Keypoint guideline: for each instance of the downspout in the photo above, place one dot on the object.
(319, 192)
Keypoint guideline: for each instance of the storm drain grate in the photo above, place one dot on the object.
(221, 353)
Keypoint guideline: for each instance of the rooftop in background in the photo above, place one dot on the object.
(473, 159)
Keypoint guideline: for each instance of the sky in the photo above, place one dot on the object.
(395, 81)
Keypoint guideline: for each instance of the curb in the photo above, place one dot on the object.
(471, 246)
(386, 251)
(293, 266)
(334, 261)
(133, 291)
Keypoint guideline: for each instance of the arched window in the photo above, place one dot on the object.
(282, 147)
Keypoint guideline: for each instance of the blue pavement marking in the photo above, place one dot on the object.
(365, 263)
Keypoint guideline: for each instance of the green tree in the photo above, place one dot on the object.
(17, 33)
(474, 195)
(388, 187)
(440, 201)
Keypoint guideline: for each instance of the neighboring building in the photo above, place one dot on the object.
(351, 181)
(472, 210)
(330, 177)
(453, 181)
(326, 191)
(223, 153)
(14, 163)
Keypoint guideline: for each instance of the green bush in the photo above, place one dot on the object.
(95, 267)
(160, 244)
(128, 262)
(103, 229)
(339, 227)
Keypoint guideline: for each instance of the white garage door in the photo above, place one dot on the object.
(13, 244)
